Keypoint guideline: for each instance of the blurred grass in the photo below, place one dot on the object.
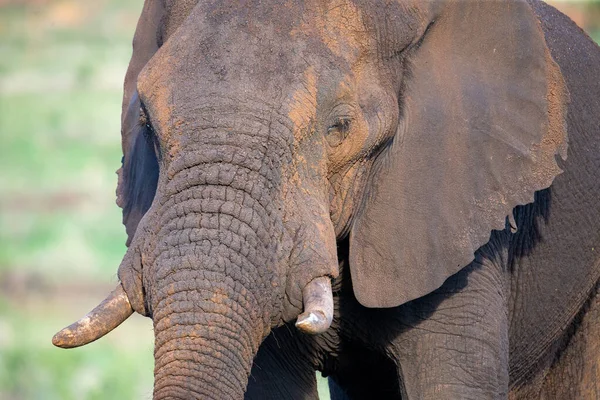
(62, 64)
(61, 68)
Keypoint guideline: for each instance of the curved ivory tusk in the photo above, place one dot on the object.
(104, 318)
(318, 306)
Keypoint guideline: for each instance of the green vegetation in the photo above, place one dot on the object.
(62, 63)
(61, 240)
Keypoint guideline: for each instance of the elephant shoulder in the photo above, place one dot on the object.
(577, 55)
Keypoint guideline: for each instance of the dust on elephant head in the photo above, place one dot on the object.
(257, 134)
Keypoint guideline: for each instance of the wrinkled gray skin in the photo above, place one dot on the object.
(378, 143)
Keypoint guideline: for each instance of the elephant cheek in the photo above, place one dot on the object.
(315, 256)
(345, 196)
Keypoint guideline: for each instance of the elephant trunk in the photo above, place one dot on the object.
(215, 261)
(207, 333)
(210, 305)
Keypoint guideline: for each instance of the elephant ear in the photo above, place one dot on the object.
(138, 174)
(483, 119)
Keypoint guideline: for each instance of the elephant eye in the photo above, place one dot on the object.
(338, 131)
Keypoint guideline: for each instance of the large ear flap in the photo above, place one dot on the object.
(139, 171)
(138, 176)
(483, 118)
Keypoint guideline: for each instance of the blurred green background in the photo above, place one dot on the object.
(62, 64)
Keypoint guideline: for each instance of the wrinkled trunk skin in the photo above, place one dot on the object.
(204, 348)
(206, 338)
(208, 321)
(214, 257)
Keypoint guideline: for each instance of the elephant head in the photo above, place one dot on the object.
(257, 134)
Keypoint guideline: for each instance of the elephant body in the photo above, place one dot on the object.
(435, 163)
(547, 272)
(541, 281)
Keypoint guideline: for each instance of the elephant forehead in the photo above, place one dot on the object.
(326, 17)
(303, 103)
(340, 26)
(270, 50)
(272, 36)
(252, 49)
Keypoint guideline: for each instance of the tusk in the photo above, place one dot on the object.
(318, 306)
(104, 318)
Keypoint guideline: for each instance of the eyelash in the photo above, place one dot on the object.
(338, 131)
(340, 125)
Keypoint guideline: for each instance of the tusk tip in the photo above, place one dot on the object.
(318, 307)
(59, 341)
(109, 314)
(64, 339)
(313, 322)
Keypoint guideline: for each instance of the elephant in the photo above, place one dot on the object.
(401, 194)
